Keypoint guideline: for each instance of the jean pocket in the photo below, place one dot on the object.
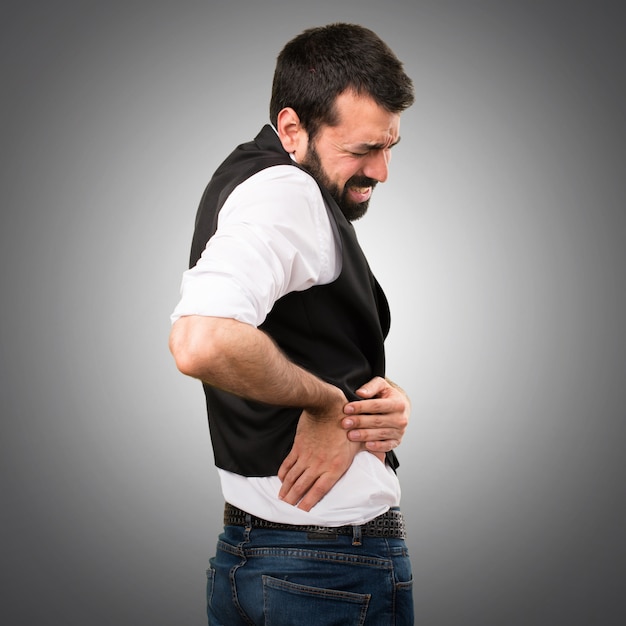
(290, 604)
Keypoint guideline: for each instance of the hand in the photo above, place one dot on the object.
(380, 419)
(320, 456)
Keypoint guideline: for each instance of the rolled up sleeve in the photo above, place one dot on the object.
(274, 236)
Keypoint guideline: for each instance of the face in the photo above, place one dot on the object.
(350, 159)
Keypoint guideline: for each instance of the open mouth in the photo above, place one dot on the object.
(360, 194)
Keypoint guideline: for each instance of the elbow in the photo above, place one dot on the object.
(180, 352)
(183, 344)
(184, 362)
(205, 347)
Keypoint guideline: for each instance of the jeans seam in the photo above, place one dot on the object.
(320, 555)
(240, 551)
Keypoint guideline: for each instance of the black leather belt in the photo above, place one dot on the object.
(389, 524)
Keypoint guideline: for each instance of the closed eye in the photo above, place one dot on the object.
(367, 148)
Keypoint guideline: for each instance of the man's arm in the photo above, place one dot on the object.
(243, 360)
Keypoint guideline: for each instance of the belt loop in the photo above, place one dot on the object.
(356, 536)
(248, 527)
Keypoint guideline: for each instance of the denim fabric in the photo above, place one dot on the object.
(287, 578)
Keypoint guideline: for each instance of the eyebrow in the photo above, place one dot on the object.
(376, 146)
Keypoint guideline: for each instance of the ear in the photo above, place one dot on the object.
(293, 137)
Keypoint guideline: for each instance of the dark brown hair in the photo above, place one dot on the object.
(321, 63)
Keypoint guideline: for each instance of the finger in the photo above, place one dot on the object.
(287, 465)
(292, 491)
(372, 388)
(372, 421)
(374, 434)
(382, 446)
(378, 405)
(290, 480)
(317, 491)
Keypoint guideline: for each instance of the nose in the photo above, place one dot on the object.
(377, 166)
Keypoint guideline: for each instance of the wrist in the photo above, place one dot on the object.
(327, 405)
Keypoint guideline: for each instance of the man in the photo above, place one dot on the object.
(284, 323)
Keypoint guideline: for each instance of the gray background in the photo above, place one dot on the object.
(499, 239)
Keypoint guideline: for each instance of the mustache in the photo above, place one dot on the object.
(361, 181)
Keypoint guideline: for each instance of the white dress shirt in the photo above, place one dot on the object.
(275, 236)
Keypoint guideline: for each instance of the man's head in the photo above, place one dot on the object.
(321, 63)
(337, 96)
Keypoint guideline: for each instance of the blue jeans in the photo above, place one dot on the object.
(263, 577)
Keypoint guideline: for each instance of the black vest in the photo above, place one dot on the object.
(335, 331)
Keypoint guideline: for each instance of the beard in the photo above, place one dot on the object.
(351, 210)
